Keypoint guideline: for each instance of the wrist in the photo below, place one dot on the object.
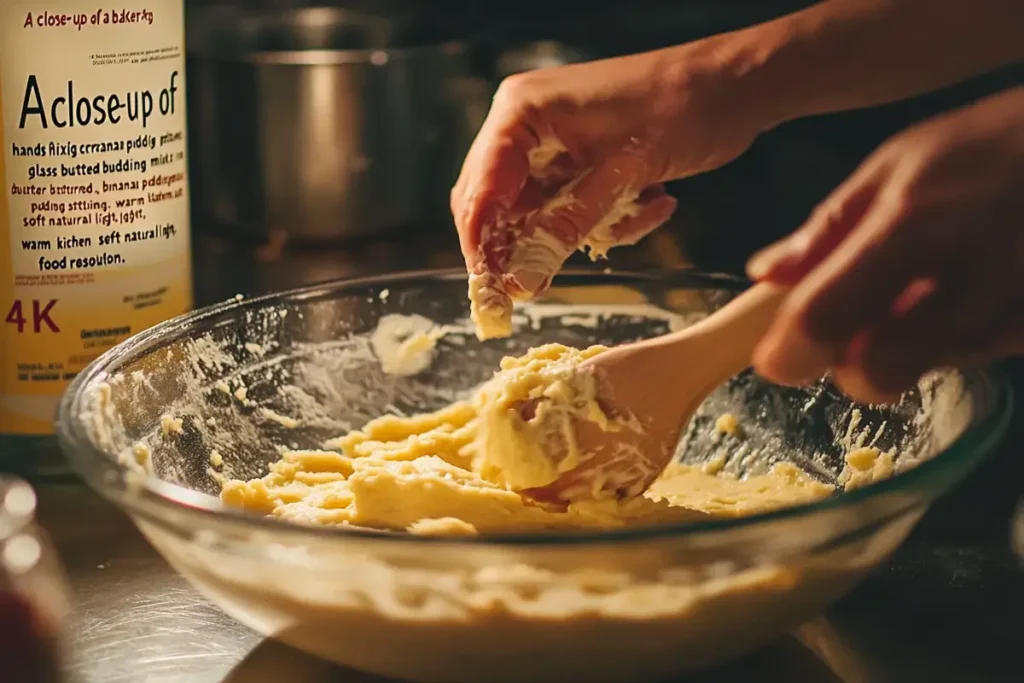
(740, 68)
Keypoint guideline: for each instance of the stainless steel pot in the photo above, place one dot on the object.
(309, 122)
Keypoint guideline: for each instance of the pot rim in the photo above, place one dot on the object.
(372, 57)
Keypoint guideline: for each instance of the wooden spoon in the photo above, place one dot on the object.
(658, 383)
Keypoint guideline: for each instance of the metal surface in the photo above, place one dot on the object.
(310, 122)
(135, 619)
(539, 55)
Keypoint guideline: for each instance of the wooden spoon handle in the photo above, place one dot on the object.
(736, 329)
(726, 339)
(746, 318)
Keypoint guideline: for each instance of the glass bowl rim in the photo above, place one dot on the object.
(155, 496)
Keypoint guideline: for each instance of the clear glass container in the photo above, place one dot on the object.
(632, 604)
(33, 593)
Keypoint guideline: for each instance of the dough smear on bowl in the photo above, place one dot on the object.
(426, 474)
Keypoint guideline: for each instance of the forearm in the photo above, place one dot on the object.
(845, 54)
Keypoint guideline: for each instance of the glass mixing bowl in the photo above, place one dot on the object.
(634, 604)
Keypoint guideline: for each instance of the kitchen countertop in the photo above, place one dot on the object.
(947, 608)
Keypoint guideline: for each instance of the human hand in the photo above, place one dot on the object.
(914, 262)
(573, 157)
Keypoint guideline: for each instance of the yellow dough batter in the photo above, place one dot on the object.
(527, 416)
(429, 474)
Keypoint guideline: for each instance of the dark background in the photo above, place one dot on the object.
(726, 214)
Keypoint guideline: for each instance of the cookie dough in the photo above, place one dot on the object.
(429, 474)
(727, 425)
(490, 307)
(527, 416)
(404, 344)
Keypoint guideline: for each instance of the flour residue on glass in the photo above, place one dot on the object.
(238, 396)
(405, 344)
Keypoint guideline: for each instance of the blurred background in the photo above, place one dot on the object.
(298, 135)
